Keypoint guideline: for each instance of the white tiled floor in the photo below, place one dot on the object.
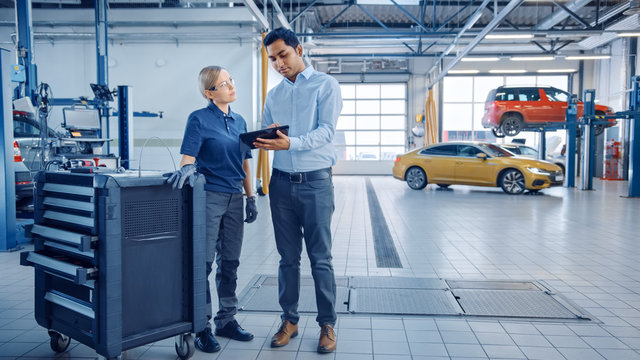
(583, 244)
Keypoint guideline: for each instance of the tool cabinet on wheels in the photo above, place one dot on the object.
(119, 260)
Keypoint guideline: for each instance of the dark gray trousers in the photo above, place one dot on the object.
(297, 209)
(224, 242)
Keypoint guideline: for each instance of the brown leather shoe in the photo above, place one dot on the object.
(286, 332)
(327, 342)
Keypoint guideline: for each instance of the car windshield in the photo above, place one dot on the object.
(557, 95)
(495, 151)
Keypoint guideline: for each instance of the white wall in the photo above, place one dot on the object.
(163, 75)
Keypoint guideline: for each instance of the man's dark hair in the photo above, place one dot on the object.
(288, 36)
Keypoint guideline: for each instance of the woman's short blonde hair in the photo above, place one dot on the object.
(207, 78)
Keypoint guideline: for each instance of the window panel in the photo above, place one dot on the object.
(346, 123)
(456, 117)
(520, 80)
(368, 91)
(393, 122)
(392, 106)
(350, 137)
(367, 153)
(478, 113)
(351, 152)
(392, 138)
(348, 107)
(483, 84)
(390, 152)
(348, 91)
(458, 89)
(368, 106)
(368, 123)
(559, 82)
(367, 138)
(393, 91)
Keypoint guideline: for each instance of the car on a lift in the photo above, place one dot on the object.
(477, 164)
(511, 109)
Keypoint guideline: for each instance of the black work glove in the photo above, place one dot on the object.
(251, 209)
(179, 177)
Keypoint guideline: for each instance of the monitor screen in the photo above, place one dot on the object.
(81, 119)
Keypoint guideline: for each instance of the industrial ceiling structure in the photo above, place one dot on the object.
(391, 31)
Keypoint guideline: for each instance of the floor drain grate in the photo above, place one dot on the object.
(423, 296)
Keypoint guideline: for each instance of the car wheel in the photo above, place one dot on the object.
(444, 186)
(416, 178)
(497, 132)
(511, 125)
(561, 167)
(512, 182)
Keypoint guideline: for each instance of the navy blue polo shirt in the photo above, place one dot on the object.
(212, 137)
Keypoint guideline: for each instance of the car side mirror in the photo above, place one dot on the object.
(482, 156)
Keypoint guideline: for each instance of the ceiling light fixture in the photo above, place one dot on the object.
(588, 57)
(507, 71)
(557, 70)
(629, 34)
(464, 71)
(532, 58)
(479, 58)
(508, 36)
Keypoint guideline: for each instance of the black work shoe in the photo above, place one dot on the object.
(234, 331)
(206, 342)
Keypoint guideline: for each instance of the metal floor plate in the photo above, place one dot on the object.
(492, 285)
(512, 303)
(422, 296)
(397, 283)
(403, 302)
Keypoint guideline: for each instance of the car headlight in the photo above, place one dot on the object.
(538, 171)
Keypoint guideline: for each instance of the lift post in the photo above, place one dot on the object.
(634, 138)
(7, 167)
(572, 135)
(588, 156)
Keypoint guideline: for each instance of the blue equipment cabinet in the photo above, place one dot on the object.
(119, 260)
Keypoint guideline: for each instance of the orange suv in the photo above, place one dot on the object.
(510, 109)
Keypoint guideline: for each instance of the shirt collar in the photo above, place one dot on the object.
(306, 73)
(216, 110)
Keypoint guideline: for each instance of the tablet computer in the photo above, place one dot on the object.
(247, 139)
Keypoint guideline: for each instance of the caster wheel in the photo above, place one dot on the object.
(59, 342)
(187, 348)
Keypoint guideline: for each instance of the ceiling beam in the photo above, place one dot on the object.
(487, 29)
(572, 14)
(471, 20)
(303, 11)
(418, 22)
(555, 18)
(280, 15)
(253, 9)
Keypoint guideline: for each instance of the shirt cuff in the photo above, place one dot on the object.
(294, 143)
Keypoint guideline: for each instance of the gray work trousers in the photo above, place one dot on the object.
(296, 207)
(224, 242)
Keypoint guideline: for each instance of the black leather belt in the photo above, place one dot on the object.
(300, 177)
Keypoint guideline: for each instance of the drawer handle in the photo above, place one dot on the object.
(77, 274)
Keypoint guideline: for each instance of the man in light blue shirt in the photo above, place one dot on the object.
(301, 189)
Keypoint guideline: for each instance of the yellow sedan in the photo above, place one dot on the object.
(474, 163)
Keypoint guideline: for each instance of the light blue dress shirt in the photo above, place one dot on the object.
(311, 107)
